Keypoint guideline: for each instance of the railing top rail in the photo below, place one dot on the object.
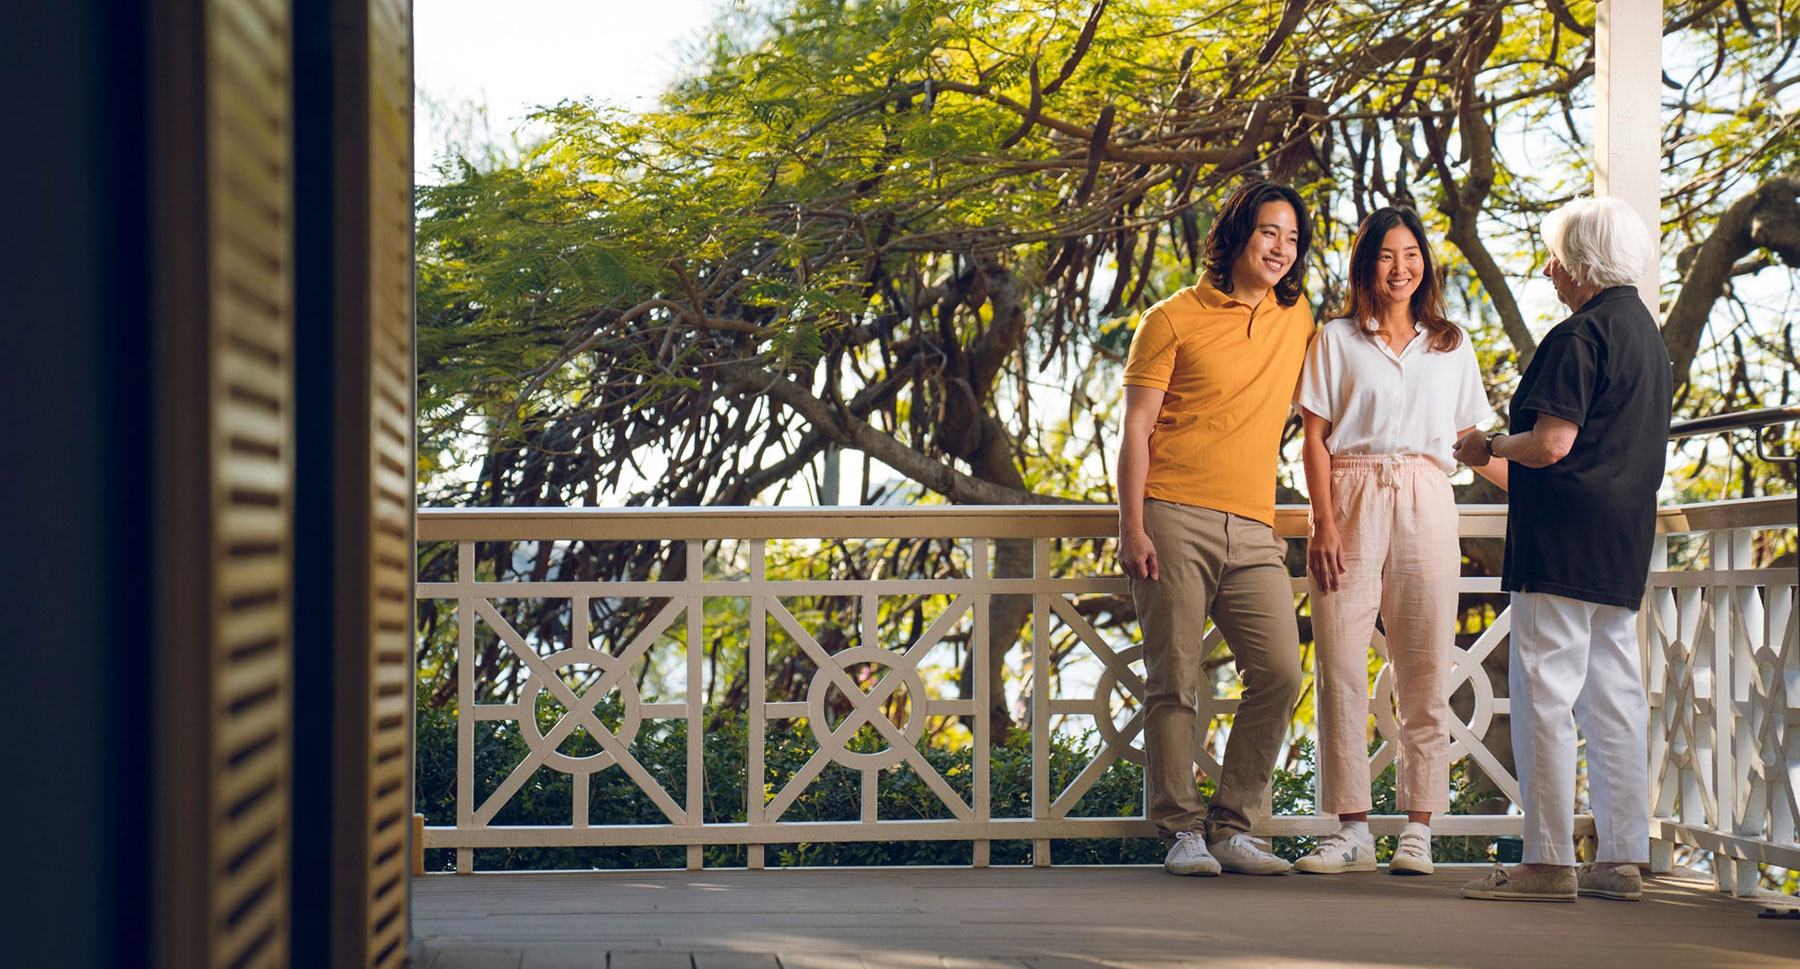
(640, 524)
(1705, 516)
(1735, 421)
(827, 522)
(946, 521)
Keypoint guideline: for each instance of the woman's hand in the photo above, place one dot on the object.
(1325, 556)
(1137, 555)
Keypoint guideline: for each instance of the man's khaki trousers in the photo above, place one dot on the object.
(1213, 563)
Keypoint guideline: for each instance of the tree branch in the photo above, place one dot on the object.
(1463, 204)
(1767, 218)
(749, 377)
(1290, 18)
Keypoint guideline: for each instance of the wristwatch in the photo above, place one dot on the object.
(1490, 442)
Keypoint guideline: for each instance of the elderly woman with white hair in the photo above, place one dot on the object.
(1584, 457)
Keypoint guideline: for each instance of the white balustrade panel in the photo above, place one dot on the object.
(1729, 627)
(1722, 661)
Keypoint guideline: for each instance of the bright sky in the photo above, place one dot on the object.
(511, 56)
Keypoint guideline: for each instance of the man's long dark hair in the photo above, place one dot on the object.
(1231, 231)
(1427, 300)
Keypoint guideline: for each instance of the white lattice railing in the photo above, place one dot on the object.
(1722, 660)
(1691, 644)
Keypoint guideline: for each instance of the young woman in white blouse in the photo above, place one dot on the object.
(1387, 390)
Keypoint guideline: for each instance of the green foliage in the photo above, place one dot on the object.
(817, 200)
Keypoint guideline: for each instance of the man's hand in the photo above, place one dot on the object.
(1472, 449)
(1137, 556)
(1325, 557)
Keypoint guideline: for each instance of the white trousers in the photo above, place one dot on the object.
(1575, 660)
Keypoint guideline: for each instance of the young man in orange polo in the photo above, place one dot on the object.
(1211, 374)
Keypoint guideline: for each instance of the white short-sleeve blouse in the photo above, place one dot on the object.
(1380, 402)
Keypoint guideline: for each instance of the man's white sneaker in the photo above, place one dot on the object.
(1242, 854)
(1188, 856)
(1412, 856)
(1339, 851)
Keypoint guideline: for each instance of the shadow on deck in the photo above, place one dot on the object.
(1069, 918)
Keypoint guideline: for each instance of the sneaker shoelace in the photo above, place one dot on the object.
(1245, 842)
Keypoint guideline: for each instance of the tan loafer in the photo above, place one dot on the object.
(1622, 882)
(1502, 885)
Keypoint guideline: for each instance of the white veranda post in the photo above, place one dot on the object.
(1628, 114)
(1628, 154)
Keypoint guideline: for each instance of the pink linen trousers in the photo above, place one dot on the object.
(1397, 517)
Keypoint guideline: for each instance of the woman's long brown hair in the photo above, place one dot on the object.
(1427, 301)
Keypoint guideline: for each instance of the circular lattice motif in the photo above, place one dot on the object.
(581, 712)
(1104, 689)
(864, 709)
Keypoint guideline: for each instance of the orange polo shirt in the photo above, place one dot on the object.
(1228, 372)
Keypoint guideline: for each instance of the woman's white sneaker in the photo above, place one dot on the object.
(1412, 856)
(1339, 851)
(1188, 856)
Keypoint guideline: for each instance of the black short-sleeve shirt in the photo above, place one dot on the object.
(1582, 527)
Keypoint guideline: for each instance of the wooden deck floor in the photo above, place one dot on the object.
(1067, 918)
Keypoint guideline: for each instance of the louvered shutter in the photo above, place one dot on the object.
(222, 170)
(389, 478)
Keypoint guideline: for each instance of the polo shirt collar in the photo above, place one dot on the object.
(1213, 298)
